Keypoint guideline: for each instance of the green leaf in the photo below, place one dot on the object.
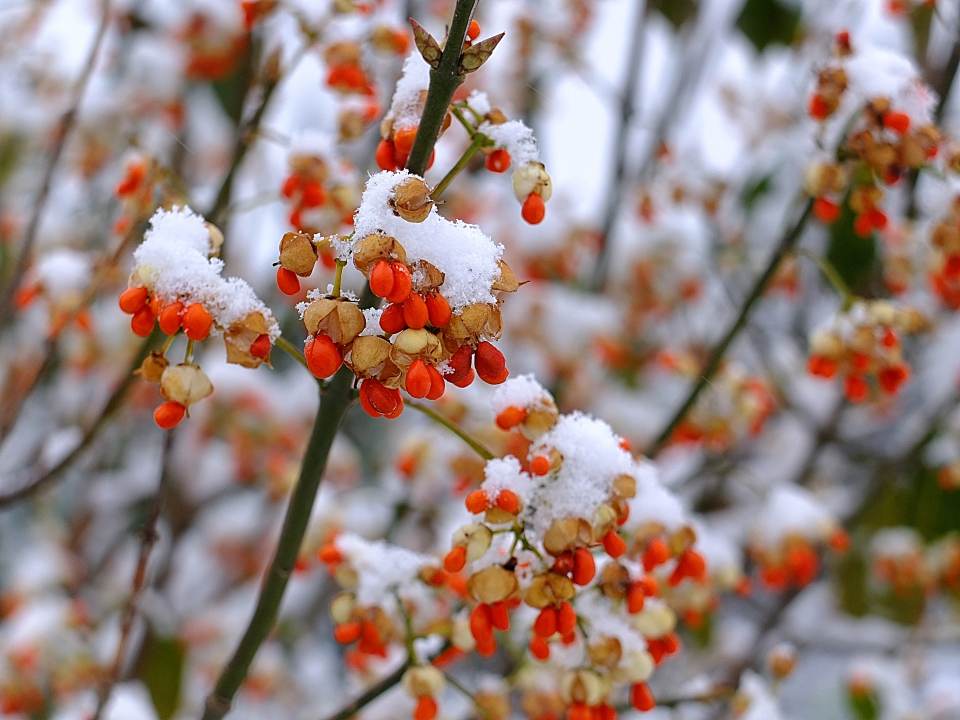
(755, 190)
(769, 22)
(161, 669)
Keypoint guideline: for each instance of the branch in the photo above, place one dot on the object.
(333, 406)
(111, 406)
(148, 540)
(64, 130)
(444, 80)
(628, 108)
(785, 247)
(477, 446)
(390, 681)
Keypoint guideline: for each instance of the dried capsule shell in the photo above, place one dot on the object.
(152, 367)
(507, 282)
(297, 253)
(532, 177)
(492, 584)
(368, 354)
(540, 420)
(185, 384)
(414, 343)
(582, 686)
(423, 681)
(655, 621)
(614, 580)
(496, 516)
(216, 238)
(625, 485)
(548, 589)
(605, 652)
(377, 247)
(240, 336)
(604, 520)
(411, 199)
(342, 607)
(637, 666)
(341, 319)
(682, 539)
(426, 276)
(567, 533)
(475, 537)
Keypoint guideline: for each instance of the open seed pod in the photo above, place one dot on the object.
(309, 166)
(426, 276)
(492, 584)
(152, 367)
(377, 247)
(473, 323)
(297, 253)
(368, 355)
(240, 336)
(410, 344)
(548, 589)
(339, 318)
(185, 384)
(411, 199)
(566, 534)
(507, 282)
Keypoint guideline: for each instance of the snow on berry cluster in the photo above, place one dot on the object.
(443, 282)
(863, 346)
(875, 107)
(598, 620)
(177, 284)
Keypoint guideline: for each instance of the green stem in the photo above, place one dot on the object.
(290, 350)
(333, 406)
(831, 274)
(784, 248)
(338, 277)
(467, 125)
(444, 80)
(477, 446)
(458, 167)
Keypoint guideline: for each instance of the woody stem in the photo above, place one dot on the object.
(475, 444)
(458, 167)
(290, 350)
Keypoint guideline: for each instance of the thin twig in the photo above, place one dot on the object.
(147, 541)
(784, 248)
(64, 130)
(475, 444)
(371, 694)
(628, 108)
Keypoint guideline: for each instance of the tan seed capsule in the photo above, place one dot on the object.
(567, 533)
(475, 537)
(297, 253)
(377, 247)
(185, 384)
(411, 200)
(548, 589)
(532, 177)
(368, 354)
(507, 281)
(423, 681)
(152, 367)
(240, 336)
(492, 584)
(342, 607)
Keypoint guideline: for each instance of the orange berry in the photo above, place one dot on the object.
(386, 156)
(403, 140)
(641, 698)
(481, 624)
(329, 555)
(614, 544)
(133, 299)
(260, 348)
(490, 364)
(402, 283)
(437, 384)
(498, 161)
(510, 417)
(473, 30)
(418, 379)
(899, 122)
(546, 623)
(566, 619)
(656, 553)
(839, 540)
(169, 318)
(454, 560)
(346, 633)
(290, 186)
(169, 414)
(287, 281)
(540, 465)
(539, 648)
(142, 322)
(508, 501)
(323, 356)
(825, 210)
(500, 615)
(477, 502)
(584, 566)
(636, 597)
(313, 195)
(391, 319)
(818, 107)
(197, 322)
(438, 310)
(415, 312)
(534, 209)
(426, 708)
(380, 401)
(381, 278)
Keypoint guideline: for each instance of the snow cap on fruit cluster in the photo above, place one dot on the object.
(173, 263)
